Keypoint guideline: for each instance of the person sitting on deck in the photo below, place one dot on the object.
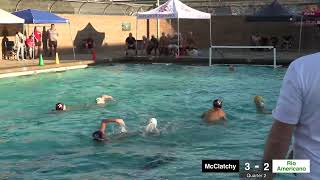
(153, 45)
(216, 113)
(190, 42)
(89, 44)
(190, 47)
(173, 44)
(130, 43)
(255, 40)
(100, 135)
(145, 43)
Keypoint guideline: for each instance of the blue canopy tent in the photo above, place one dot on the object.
(275, 12)
(271, 13)
(33, 16)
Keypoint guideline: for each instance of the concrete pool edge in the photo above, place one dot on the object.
(32, 70)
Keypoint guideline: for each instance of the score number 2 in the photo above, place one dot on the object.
(265, 166)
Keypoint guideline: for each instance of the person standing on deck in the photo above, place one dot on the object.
(297, 115)
(45, 41)
(37, 40)
(53, 39)
(19, 45)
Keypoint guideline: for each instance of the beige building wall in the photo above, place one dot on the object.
(110, 25)
(229, 30)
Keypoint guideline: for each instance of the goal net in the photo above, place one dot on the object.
(258, 55)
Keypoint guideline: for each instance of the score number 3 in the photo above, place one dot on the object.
(265, 166)
(247, 168)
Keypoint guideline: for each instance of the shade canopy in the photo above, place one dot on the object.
(273, 12)
(173, 9)
(32, 16)
(8, 18)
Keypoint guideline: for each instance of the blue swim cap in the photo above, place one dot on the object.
(98, 136)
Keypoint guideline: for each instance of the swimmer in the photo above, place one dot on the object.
(231, 67)
(152, 126)
(99, 101)
(216, 113)
(258, 100)
(100, 135)
(102, 99)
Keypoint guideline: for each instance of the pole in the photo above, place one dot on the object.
(34, 44)
(178, 37)
(158, 28)
(274, 58)
(210, 52)
(158, 22)
(136, 37)
(74, 54)
(300, 34)
(210, 33)
(210, 56)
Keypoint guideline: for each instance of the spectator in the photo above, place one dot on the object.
(19, 45)
(153, 45)
(173, 44)
(181, 40)
(45, 41)
(163, 45)
(255, 39)
(37, 40)
(287, 42)
(53, 39)
(297, 115)
(130, 43)
(190, 42)
(274, 41)
(145, 43)
(30, 46)
(264, 41)
(89, 43)
(4, 46)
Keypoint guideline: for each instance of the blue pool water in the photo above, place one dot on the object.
(38, 144)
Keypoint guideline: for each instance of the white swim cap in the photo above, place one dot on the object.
(152, 126)
(100, 100)
(153, 121)
(123, 129)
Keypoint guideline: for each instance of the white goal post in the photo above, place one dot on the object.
(245, 47)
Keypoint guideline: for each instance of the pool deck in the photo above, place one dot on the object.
(9, 68)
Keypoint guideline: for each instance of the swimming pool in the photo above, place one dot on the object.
(38, 144)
